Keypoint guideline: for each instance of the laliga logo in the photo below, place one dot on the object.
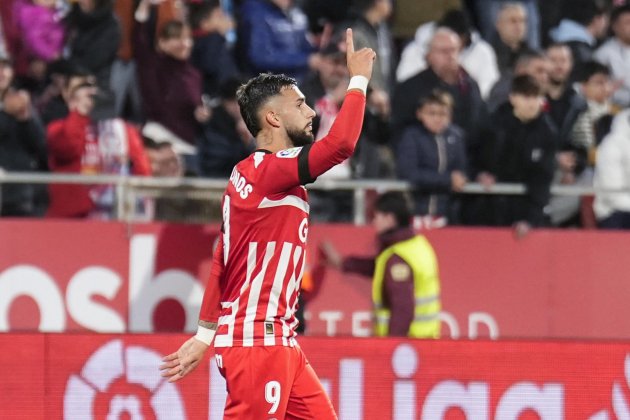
(619, 401)
(116, 381)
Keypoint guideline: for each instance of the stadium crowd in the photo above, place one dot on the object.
(485, 91)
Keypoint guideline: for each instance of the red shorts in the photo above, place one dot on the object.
(267, 383)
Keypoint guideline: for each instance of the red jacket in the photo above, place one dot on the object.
(67, 139)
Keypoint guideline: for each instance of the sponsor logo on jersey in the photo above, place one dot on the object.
(289, 153)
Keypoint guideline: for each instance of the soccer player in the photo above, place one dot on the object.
(259, 262)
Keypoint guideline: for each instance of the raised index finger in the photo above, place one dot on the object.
(349, 42)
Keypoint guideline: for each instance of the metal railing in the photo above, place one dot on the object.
(128, 188)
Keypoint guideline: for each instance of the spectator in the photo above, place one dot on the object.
(575, 165)
(50, 104)
(272, 36)
(583, 23)
(564, 105)
(41, 30)
(521, 150)
(225, 140)
(324, 87)
(476, 57)
(409, 15)
(124, 82)
(22, 148)
(165, 162)
(431, 155)
(324, 91)
(564, 102)
(370, 30)
(596, 87)
(488, 10)
(324, 15)
(510, 40)
(210, 53)
(445, 73)
(78, 144)
(612, 172)
(405, 285)
(530, 63)
(615, 53)
(170, 85)
(93, 39)
(163, 159)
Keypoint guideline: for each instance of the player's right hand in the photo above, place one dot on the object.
(183, 361)
(360, 62)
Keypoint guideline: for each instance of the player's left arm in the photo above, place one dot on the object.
(189, 355)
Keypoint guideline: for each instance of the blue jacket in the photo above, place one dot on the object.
(272, 40)
(426, 161)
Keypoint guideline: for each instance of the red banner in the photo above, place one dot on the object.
(109, 277)
(116, 376)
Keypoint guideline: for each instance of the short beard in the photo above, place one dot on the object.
(300, 137)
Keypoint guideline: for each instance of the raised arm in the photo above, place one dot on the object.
(340, 142)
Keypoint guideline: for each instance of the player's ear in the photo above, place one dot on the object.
(272, 119)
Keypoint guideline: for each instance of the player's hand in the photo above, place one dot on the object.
(360, 62)
(183, 361)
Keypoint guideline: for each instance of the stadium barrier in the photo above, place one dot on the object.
(80, 276)
(101, 376)
(129, 188)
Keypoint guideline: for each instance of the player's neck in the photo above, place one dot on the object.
(272, 141)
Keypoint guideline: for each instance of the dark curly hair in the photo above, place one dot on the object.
(256, 92)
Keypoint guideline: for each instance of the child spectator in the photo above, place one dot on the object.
(596, 87)
(577, 158)
(431, 155)
(521, 149)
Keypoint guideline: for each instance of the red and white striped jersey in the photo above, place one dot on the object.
(265, 224)
(262, 249)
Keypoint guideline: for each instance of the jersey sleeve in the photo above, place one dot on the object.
(302, 165)
(211, 304)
